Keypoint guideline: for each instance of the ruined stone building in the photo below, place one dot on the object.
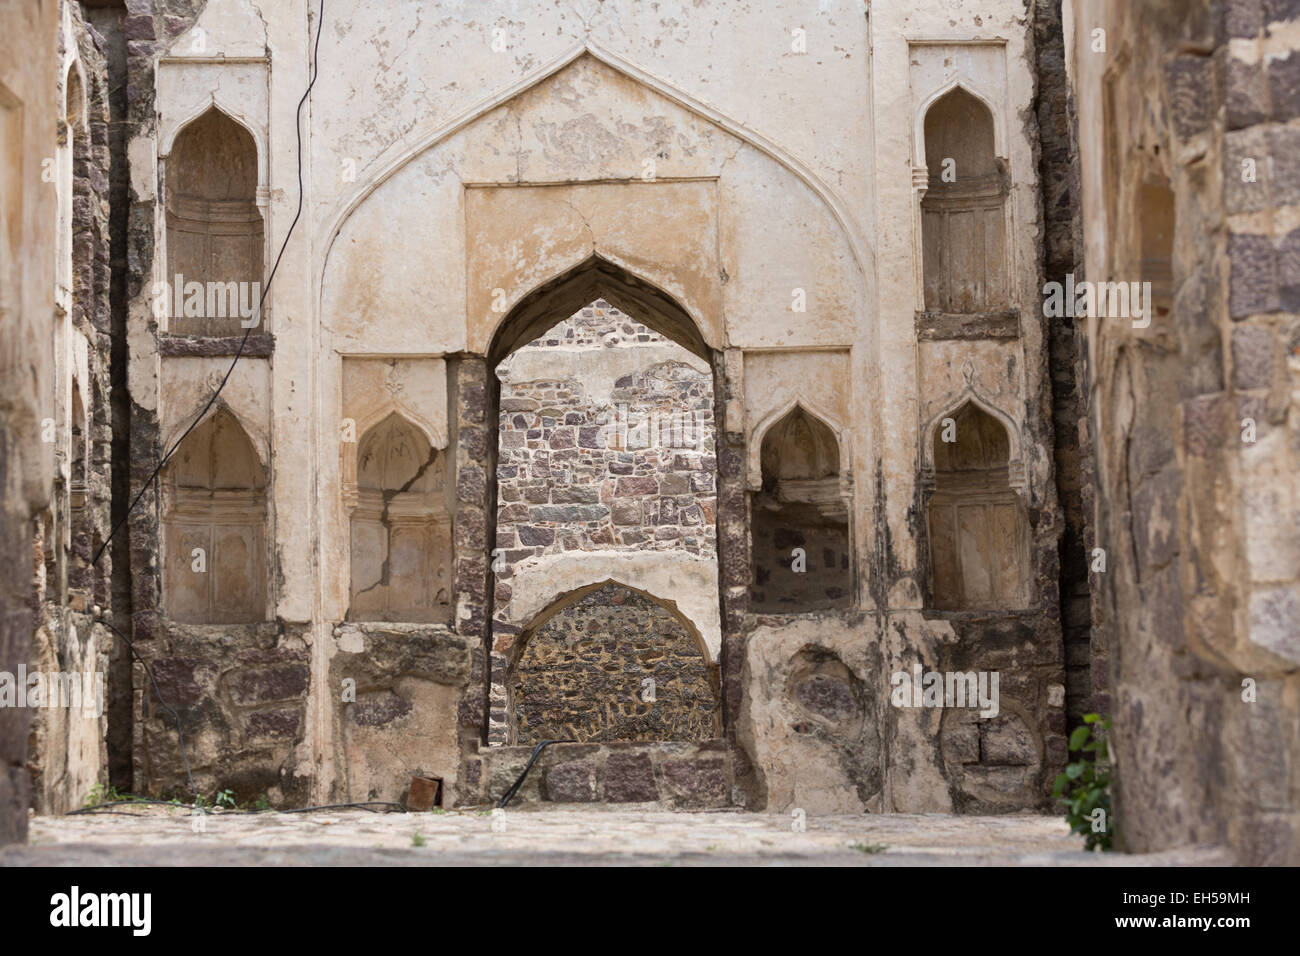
(668, 378)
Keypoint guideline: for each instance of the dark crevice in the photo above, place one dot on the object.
(108, 22)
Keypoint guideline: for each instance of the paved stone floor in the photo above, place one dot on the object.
(160, 836)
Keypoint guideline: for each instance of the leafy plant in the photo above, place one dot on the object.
(225, 798)
(1084, 787)
(417, 839)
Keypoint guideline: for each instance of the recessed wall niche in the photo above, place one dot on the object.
(978, 541)
(214, 227)
(214, 517)
(963, 220)
(395, 489)
(799, 519)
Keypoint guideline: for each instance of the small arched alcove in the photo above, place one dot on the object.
(799, 519)
(1156, 205)
(401, 528)
(214, 227)
(595, 278)
(214, 517)
(74, 217)
(609, 662)
(963, 218)
(978, 540)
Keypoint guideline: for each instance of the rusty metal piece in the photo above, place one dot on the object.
(426, 793)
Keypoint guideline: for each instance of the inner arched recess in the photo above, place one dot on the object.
(595, 278)
(550, 303)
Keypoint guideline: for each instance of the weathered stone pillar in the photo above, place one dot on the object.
(733, 529)
(470, 545)
(28, 42)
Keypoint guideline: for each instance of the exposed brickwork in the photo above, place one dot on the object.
(68, 640)
(148, 27)
(633, 472)
(624, 466)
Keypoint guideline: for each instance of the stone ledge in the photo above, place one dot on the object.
(259, 345)
(663, 773)
(377, 653)
(940, 326)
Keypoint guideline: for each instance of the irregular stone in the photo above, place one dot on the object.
(571, 782)
(1252, 356)
(630, 778)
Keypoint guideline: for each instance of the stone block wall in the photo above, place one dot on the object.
(240, 693)
(1086, 662)
(1190, 118)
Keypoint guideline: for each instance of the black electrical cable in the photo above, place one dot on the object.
(261, 299)
(370, 805)
(514, 787)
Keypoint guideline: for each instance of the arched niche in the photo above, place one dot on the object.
(400, 527)
(611, 663)
(74, 110)
(963, 212)
(799, 519)
(215, 248)
(214, 518)
(979, 551)
(73, 218)
(590, 510)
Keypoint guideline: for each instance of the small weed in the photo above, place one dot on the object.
(417, 839)
(106, 793)
(870, 847)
